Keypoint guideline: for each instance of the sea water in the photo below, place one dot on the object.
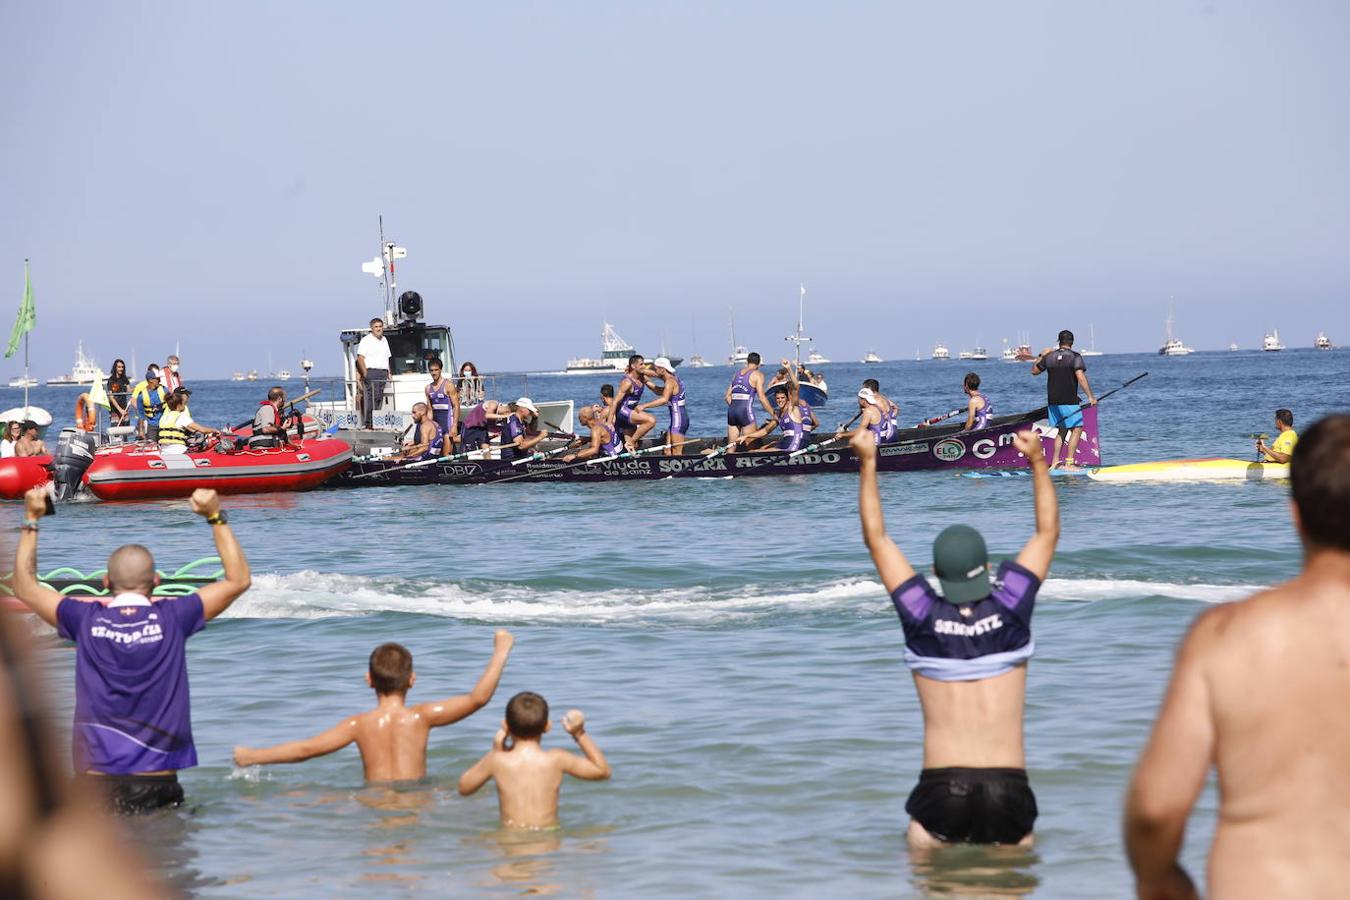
(735, 655)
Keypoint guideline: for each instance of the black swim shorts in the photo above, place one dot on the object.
(131, 794)
(974, 806)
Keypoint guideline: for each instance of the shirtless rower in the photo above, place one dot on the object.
(633, 421)
(520, 431)
(604, 437)
(978, 408)
(1258, 693)
(671, 397)
(428, 439)
(746, 385)
(967, 650)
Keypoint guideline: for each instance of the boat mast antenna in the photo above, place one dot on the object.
(798, 338)
(382, 267)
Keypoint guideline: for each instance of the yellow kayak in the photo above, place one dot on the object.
(1192, 470)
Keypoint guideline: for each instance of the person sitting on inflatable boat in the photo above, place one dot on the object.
(176, 423)
(269, 423)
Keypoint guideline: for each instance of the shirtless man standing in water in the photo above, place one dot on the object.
(392, 737)
(968, 651)
(1260, 692)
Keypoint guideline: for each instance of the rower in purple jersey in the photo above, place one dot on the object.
(428, 438)
(443, 399)
(633, 421)
(809, 421)
(869, 418)
(520, 432)
(604, 437)
(788, 418)
(890, 411)
(746, 385)
(671, 397)
(979, 411)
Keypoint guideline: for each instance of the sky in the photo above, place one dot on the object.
(212, 174)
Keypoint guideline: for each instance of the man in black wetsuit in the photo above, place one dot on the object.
(967, 650)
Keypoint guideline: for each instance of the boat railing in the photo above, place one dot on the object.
(401, 393)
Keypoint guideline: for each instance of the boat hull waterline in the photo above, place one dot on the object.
(918, 450)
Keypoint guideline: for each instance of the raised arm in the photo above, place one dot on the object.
(217, 597)
(594, 767)
(1040, 550)
(322, 744)
(40, 599)
(444, 712)
(891, 564)
(1172, 769)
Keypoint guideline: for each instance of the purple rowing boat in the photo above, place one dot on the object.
(915, 449)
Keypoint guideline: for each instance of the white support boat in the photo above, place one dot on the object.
(1171, 345)
(23, 381)
(872, 358)
(1271, 342)
(1233, 348)
(412, 343)
(614, 353)
(816, 358)
(940, 351)
(1323, 342)
(84, 373)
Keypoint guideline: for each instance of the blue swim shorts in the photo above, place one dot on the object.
(1065, 415)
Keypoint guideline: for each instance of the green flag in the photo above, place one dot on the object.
(27, 315)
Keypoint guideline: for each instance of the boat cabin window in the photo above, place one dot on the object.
(411, 351)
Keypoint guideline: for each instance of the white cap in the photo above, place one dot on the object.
(867, 395)
(527, 403)
(662, 363)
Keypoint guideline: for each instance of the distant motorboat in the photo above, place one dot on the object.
(872, 357)
(85, 371)
(816, 358)
(1232, 348)
(284, 375)
(940, 351)
(1009, 354)
(1172, 346)
(740, 356)
(1271, 342)
(237, 376)
(22, 382)
(697, 362)
(977, 354)
(252, 375)
(1323, 342)
(614, 353)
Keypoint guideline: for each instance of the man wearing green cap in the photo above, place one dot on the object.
(967, 649)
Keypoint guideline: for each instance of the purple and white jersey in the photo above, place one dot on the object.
(741, 388)
(611, 445)
(984, 413)
(793, 433)
(628, 403)
(805, 407)
(972, 641)
(440, 403)
(132, 708)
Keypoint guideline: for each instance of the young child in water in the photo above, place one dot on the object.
(392, 737)
(529, 778)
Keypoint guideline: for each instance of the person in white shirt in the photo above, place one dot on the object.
(12, 430)
(172, 381)
(372, 369)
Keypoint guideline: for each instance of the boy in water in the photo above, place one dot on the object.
(392, 737)
(529, 778)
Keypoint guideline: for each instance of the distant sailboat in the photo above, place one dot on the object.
(1092, 343)
(1271, 342)
(1171, 346)
(739, 355)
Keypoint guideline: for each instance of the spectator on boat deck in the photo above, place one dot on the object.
(269, 422)
(119, 394)
(1283, 449)
(13, 431)
(372, 369)
(169, 373)
(149, 399)
(469, 385)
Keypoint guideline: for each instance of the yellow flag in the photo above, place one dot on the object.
(97, 393)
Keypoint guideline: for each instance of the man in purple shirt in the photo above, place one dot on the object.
(967, 650)
(133, 718)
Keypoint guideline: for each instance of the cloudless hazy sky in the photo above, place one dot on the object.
(212, 173)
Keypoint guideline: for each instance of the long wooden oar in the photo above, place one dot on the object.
(594, 460)
(942, 418)
(418, 464)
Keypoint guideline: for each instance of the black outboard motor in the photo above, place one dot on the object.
(74, 455)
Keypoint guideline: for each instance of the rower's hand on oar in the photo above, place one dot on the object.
(1028, 443)
(569, 457)
(864, 445)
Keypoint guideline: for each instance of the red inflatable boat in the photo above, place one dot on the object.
(19, 473)
(137, 472)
